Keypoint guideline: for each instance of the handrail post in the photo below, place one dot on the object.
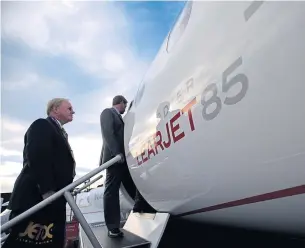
(81, 219)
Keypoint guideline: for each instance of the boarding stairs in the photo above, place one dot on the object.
(140, 230)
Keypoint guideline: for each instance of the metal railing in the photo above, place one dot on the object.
(66, 192)
(77, 191)
(3, 239)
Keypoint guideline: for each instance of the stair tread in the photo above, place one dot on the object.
(128, 241)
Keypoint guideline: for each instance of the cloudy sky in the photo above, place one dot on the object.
(85, 51)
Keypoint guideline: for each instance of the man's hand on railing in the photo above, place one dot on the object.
(48, 194)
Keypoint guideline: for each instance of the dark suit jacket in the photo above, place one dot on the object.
(48, 164)
(112, 127)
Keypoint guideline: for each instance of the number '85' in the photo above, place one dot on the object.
(228, 81)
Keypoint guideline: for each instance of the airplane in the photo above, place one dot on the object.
(215, 133)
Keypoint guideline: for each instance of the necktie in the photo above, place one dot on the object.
(66, 136)
(64, 133)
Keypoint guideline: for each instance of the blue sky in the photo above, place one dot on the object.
(85, 51)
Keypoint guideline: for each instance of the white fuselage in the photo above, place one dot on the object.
(216, 131)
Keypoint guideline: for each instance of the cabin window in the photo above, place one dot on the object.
(130, 105)
(139, 94)
(179, 27)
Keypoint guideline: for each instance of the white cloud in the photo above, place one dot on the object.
(6, 184)
(7, 152)
(90, 105)
(28, 81)
(12, 131)
(12, 126)
(31, 80)
(87, 150)
(11, 168)
(113, 62)
(95, 36)
(8, 173)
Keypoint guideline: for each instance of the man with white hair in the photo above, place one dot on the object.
(48, 166)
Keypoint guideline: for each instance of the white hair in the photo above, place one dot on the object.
(54, 103)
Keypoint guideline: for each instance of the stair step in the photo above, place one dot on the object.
(148, 226)
(128, 241)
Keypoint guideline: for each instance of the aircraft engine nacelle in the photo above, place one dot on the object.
(91, 205)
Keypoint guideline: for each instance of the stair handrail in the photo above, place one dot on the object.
(66, 192)
(77, 191)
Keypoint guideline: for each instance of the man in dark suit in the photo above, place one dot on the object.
(48, 166)
(112, 127)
